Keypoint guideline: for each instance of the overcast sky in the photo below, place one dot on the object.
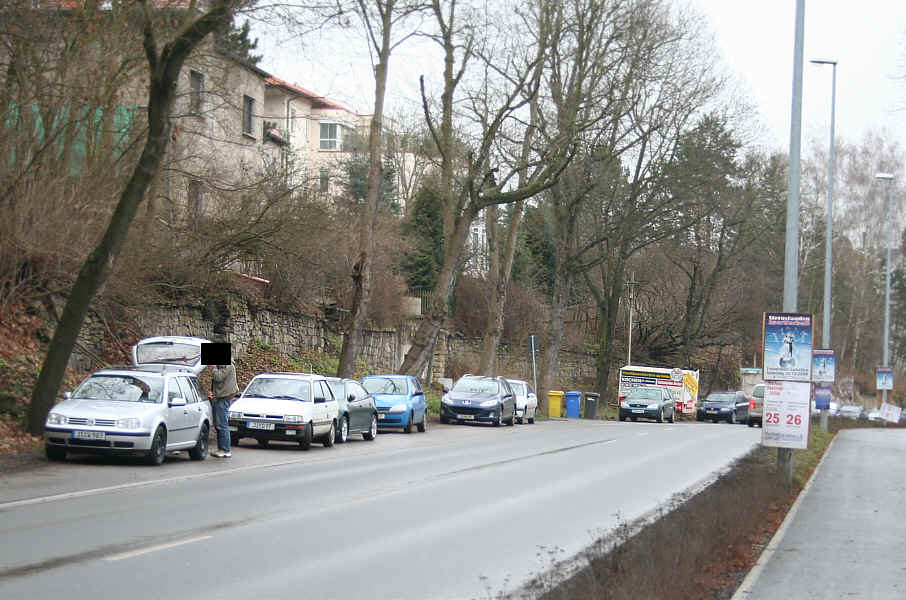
(754, 38)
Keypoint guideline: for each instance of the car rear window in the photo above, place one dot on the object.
(645, 394)
(758, 392)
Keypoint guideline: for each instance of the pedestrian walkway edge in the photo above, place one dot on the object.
(767, 554)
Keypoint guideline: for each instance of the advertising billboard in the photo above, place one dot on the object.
(787, 347)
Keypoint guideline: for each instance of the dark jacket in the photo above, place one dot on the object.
(223, 382)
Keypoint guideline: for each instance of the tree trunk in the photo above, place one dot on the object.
(362, 273)
(164, 75)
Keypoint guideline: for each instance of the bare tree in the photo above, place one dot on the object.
(380, 17)
(164, 65)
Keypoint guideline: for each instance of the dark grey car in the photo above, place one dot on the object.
(648, 403)
(732, 407)
(479, 398)
(356, 411)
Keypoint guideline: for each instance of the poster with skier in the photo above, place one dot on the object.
(787, 347)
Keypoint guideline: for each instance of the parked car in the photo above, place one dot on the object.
(170, 350)
(729, 406)
(479, 398)
(148, 410)
(286, 407)
(875, 415)
(400, 401)
(756, 406)
(356, 410)
(526, 400)
(851, 411)
(648, 402)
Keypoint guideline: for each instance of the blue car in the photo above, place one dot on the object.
(400, 401)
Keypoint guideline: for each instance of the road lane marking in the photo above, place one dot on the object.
(157, 548)
(644, 433)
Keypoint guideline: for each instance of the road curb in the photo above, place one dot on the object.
(745, 588)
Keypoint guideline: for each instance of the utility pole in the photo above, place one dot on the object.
(631, 284)
(791, 255)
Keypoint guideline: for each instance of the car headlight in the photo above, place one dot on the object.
(653, 405)
(235, 415)
(292, 419)
(488, 403)
(56, 419)
(130, 423)
(399, 408)
(446, 400)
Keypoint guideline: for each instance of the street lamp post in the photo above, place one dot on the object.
(885, 349)
(829, 235)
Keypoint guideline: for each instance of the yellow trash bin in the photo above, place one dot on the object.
(555, 403)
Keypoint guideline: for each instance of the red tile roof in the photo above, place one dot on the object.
(320, 101)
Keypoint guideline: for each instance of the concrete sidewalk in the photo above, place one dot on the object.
(845, 536)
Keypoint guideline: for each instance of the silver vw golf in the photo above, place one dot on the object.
(147, 410)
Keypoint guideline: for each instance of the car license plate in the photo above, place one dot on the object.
(256, 425)
(465, 417)
(712, 410)
(89, 435)
(382, 415)
(638, 411)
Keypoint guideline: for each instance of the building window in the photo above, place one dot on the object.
(292, 123)
(330, 136)
(325, 181)
(248, 115)
(196, 91)
(195, 199)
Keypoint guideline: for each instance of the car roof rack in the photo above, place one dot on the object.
(151, 368)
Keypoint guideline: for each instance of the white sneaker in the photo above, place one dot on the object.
(217, 453)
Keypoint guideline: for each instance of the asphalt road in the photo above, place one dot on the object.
(458, 512)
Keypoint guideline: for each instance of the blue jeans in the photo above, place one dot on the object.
(221, 423)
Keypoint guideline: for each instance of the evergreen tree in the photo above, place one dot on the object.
(235, 41)
(424, 230)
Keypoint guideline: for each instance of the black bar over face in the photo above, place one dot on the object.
(216, 353)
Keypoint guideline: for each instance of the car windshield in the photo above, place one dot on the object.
(386, 385)
(644, 394)
(476, 385)
(121, 388)
(279, 388)
(725, 398)
(168, 352)
(758, 392)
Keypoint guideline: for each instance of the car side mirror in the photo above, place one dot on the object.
(350, 398)
(178, 401)
(320, 399)
(67, 395)
(446, 389)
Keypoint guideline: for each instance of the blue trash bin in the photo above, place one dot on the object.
(572, 404)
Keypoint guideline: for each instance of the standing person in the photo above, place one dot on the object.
(224, 388)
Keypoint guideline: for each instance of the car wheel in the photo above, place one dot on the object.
(499, 421)
(444, 420)
(520, 420)
(54, 453)
(200, 450)
(408, 427)
(263, 443)
(343, 433)
(372, 431)
(660, 416)
(732, 419)
(512, 420)
(531, 419)
(158, 447)
(751, 423)
(714, 420)
(423, 426)
(673, 416)
(305, 442)
(234, 440)
(331, 435)
(633, 419)
(622, 417)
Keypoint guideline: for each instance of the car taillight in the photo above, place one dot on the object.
(751, 404)
(622, 398)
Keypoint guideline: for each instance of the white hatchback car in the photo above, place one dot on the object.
(149, 410)
(287, 407)
(526, 400)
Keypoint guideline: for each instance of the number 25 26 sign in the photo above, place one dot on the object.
(785, 420)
